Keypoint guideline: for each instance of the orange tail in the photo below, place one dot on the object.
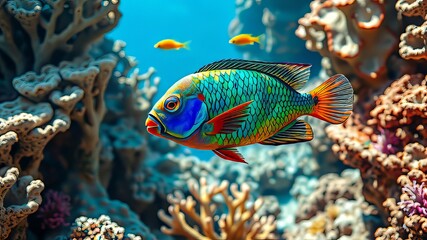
(333, 100)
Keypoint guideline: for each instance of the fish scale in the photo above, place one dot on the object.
(233, 102)
(265, 118)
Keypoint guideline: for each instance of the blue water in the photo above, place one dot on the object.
(203, 22)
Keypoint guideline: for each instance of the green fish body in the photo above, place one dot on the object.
(233, 103)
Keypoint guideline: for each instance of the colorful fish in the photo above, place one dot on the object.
(168, 44)
(232, 103)
(246, 39)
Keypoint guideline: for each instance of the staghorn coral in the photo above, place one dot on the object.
(355, 37)
(240, 222)
(22, 202)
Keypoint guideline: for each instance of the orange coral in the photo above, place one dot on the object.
(352, 36)
(389, 148)
(240, 222)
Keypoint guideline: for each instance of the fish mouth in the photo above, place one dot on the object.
(153, 125)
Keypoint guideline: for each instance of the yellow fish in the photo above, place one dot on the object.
(246, 39)
(168, 44)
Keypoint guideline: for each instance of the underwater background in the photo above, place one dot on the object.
(78, 78)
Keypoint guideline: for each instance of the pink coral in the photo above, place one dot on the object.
(55, 210)
(418, 199)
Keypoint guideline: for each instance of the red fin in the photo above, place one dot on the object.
(333, 100)
(230, 154)
(230, 120)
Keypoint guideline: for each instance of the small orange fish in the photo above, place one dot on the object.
(168, 44)
(246, 39)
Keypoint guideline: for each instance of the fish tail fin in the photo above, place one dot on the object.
(333, 100)
(186, 45)
(260, 40)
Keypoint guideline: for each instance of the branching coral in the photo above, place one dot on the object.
(355, 37)
(54, 31)
(13, 215)
(240, 222)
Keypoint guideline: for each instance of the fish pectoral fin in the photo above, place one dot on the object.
(299, 131)
(230, 154)
(230, 120)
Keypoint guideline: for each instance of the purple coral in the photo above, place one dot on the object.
(418, 202)
(387, 142)
(54, 210)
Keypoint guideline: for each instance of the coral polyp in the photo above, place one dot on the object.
(417, 202)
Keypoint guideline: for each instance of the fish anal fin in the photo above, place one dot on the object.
(293, 74)
(230, 154)
(230, 120)
(300, 131)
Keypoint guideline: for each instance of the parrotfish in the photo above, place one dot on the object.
(168, 44)
(246, 39)
(232, 103)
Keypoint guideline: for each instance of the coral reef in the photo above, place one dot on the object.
(55, 210)
(239, 222)
(413, 41)
(389, 148)
(36, 33)
(23, 199)
(58, 92)
(335, 210)
(100, 228)
(355, 38)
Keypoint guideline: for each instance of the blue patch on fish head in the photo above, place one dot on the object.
(179, 116)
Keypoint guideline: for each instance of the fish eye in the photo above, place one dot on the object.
(172, 103)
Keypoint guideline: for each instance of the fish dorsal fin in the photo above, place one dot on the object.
(298, 131)
(294, 74)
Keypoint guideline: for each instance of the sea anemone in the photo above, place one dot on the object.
(418, 199)
(54, 210)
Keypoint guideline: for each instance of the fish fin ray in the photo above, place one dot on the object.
(299, 131)
(186, 44)
(293, 74)
(261, 40)
(231, 154)
(230, 120)
(334, 100)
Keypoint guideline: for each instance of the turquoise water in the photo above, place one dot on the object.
(203, 22)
